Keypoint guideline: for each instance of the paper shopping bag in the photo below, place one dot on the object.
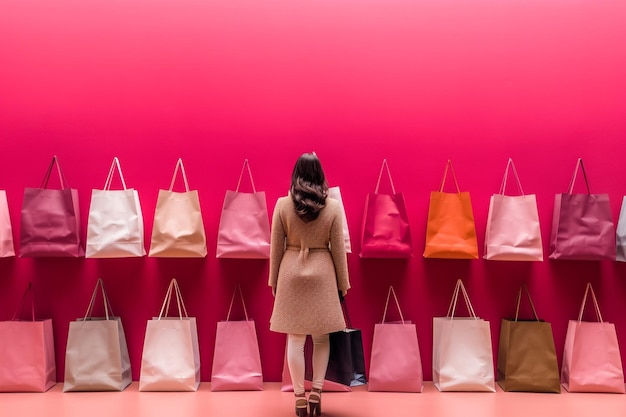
(244, 228)
(462, 354)
(335, 193)
(96, 357)
(50, 220)
(27, 361)
(526, 354)
(450, 230)
(591, 356)
(171, 360)
(385, 231)
(621, 233)
(582, 224)
(513, 232)
(6, 232)
(178, 229)
(236, 359)
(115, 224)
(396, 363)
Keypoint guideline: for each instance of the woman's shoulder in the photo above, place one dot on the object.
(332, 205)
(284, 201)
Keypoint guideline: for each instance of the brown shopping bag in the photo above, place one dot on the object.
(526, 354)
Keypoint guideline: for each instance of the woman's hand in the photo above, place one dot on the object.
(274, 291)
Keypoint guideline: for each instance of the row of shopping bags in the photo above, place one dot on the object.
(526, 362)
(582, 226)
(96, 356)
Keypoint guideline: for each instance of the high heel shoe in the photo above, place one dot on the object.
(301, 405)
(315, 402)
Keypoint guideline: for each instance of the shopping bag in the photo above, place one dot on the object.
(346, 364)
(27, 361)
(513, 232)
(6, 232)
(115, 224)
(450, 230)
(462, 354)
(582, 224)
(385, 231)
(526, 354)
(591, 357)
(50, 220)
(244, 228)
(335, 193)
(621, 233)
(171, 360)
(236, 359)
(178, 229)
(396, 363)
(96, 357)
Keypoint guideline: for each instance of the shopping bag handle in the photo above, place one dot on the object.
(452, 308)
(115, 164)
(46, 178)
(519, 299)
(173, 288)
(246, 165)
(595, 304)
(108, 311)
(509, 165)
(579, 164)
(180, 165)
(445, 174)
(344, 309)
(18, 312)
(385, 165)
(243, 303)
(391, 291)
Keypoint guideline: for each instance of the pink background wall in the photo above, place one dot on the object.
(416, 82)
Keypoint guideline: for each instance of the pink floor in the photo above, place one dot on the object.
(273, 403)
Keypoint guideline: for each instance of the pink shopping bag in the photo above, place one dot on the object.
(513, 232)
(27, 361)
(591, 356)
(236, 359)
(396, 363)
(6, 232)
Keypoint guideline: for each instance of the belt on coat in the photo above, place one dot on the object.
(305, 251)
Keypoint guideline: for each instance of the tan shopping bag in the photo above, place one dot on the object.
(171, 357)
(96, 357)
(178, 230)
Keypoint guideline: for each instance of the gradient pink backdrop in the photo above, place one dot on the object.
(417, 82)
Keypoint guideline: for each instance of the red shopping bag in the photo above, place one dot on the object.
(385, 231)
(582, 224)
(591, 357)
(50, 222)
(396, 362)
(244, 229)
(513, 232)
(236, 359)
(27, 362)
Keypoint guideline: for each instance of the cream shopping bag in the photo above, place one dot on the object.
(115, 224)
(171, 357)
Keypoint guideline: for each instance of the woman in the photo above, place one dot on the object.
(307, 269)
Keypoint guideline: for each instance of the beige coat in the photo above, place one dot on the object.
(308, 267)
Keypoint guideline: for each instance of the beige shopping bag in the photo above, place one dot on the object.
(462, 353)
(96, 357)
(115, 224)
(178, 230)
(171, 357)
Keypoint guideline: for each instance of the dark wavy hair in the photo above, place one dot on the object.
(308, 187)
